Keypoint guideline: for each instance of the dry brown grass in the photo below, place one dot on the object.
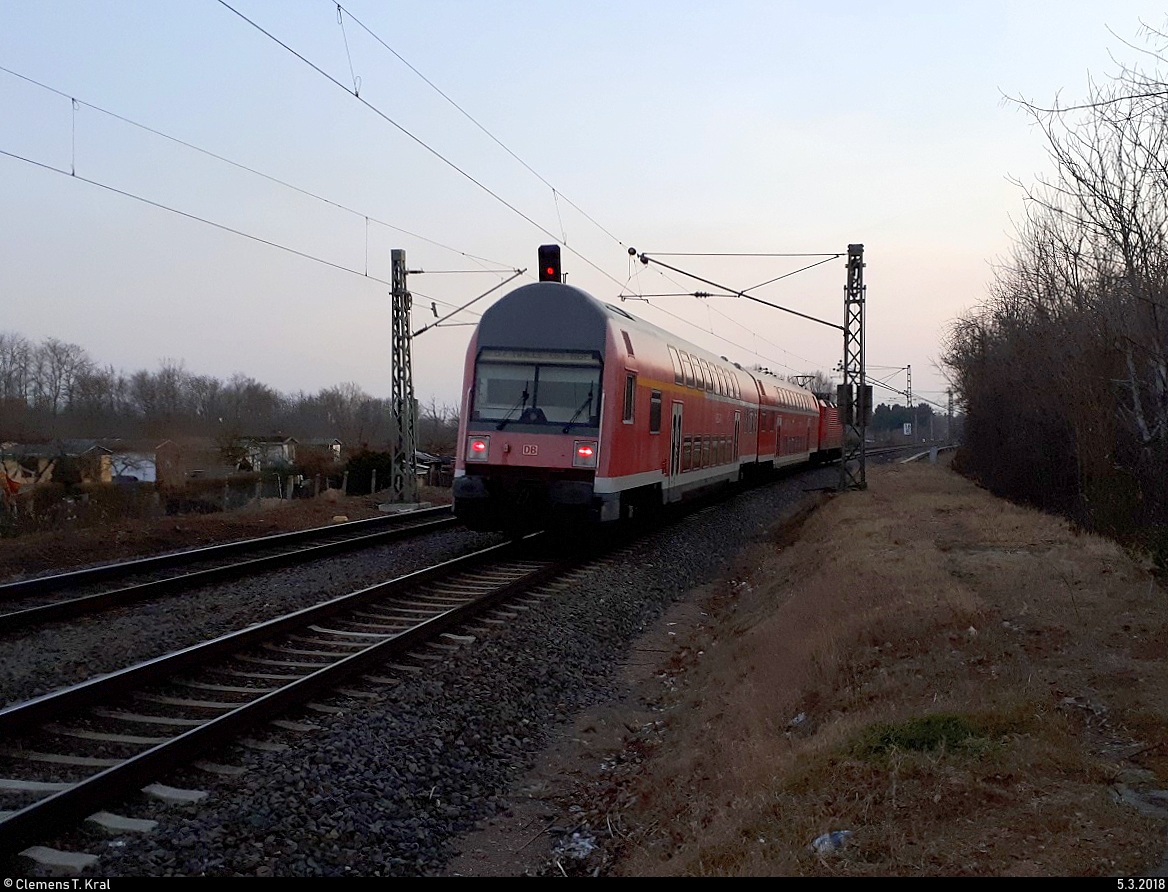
(978, 684)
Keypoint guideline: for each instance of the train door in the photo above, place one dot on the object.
(734, 445)
(674, 449)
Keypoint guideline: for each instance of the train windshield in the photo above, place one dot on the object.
(544, 388)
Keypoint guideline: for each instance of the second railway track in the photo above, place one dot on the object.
(48, 598)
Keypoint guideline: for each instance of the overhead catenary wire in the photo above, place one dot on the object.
(703, 295)
(496, 287)
(634, 273)
(190, 216)
(724, 339)
(195, 217)
(645, 258)
(251, 170)
(828, 254)
(367, 218)
(416, 139)
(903, 393)
(557, 194)
(792, 273)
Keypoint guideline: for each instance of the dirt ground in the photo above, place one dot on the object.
(954, 685)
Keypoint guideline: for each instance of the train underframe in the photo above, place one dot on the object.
(523, 499)
(554, 498)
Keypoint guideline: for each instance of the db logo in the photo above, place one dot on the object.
(530, 449)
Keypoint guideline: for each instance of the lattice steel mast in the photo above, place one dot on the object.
(855, 400)
(404, 481)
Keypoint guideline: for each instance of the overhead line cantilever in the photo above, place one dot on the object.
(646, 259)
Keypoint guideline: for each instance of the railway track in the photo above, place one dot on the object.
(66, 755)
(31, 602)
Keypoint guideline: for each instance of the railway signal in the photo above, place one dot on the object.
(549, 263)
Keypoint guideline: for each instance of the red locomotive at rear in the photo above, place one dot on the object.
(576, 411)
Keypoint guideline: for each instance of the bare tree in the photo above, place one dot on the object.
(437, 427)
(57, 367)
(15, 366)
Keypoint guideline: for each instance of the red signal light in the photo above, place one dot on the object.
(585, 451)
(549, 264)
(478, 446)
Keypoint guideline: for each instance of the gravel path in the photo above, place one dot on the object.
(387, 787)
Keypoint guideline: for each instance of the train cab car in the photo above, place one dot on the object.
(574, 410)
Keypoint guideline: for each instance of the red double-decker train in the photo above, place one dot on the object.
(576, 411)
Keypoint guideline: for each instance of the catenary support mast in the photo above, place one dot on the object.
(402, 403)
(855, 394)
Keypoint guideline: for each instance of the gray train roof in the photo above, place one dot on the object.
(545, 315)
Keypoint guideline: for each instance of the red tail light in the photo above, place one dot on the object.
(478, 448)
(584, 454)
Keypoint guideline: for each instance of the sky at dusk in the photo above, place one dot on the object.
(469, 133)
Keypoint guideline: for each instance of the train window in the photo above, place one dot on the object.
(678, 373)
(563, 393)
(655, 411)
(705, 452)
(686, 453)
(720, 381)
(687, 365)
(708, 376)
(628, 342)
(630, 397)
